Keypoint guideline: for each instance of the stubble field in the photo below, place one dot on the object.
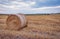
(38, 27)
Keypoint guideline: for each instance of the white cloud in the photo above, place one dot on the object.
(15, 6)
(54, 9)
(26, 7)
(18, 5)
(42, 8)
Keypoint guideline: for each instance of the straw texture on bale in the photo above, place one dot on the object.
(16, 21)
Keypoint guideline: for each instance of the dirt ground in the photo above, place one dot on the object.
(38, 27)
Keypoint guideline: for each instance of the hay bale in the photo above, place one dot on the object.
(16, 22)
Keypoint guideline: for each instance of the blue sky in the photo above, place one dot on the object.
(30, 6)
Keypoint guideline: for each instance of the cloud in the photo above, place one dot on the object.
(18, 5)
(53, 7)
(28, 7)
(15, 6)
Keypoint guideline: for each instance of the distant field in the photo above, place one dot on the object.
(39, 27)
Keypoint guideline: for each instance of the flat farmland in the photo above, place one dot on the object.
(38, 27)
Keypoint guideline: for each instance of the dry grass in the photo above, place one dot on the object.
(39, 27)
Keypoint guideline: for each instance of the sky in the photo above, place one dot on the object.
(29, 6)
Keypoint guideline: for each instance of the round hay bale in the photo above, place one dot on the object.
(16, 21)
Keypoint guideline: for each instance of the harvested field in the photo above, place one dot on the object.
(39, 27)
